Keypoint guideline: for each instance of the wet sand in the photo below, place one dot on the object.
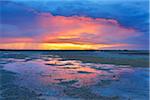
(55, 76)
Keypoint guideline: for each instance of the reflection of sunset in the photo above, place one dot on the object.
(83, 73)
(70, 70)
(56, 70)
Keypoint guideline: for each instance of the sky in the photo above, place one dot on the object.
(74, 24)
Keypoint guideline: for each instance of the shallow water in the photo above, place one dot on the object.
(52, 77)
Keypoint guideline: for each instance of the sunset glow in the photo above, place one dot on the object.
(59, 46)
(34, 28)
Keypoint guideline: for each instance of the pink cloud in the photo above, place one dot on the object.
(73, 33)
(77, 29)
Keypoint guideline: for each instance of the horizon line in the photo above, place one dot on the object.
(73, 50)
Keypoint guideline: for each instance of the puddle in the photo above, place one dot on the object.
(53, 77)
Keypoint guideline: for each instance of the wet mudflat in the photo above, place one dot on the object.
(41, 75)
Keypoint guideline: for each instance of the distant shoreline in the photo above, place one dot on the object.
(135, 58)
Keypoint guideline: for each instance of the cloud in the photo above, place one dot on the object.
(75, 22)
(71, 32)
(127, 12)
(78, 29)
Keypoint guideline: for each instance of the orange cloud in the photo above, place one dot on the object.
(83, 30)
(73, 33)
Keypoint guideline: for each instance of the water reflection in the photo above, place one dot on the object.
(54, 77)
(55, 70)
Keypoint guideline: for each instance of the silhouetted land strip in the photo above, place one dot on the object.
(129, 52)
(77, 50)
